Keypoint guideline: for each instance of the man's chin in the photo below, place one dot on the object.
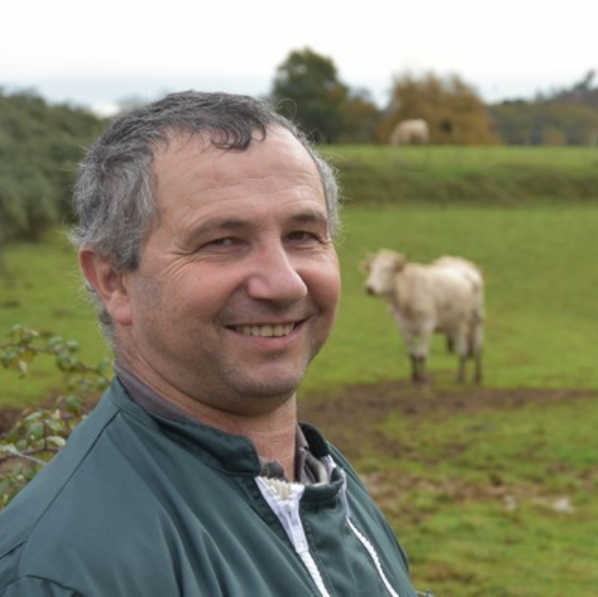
(271, 390)
(267, 392)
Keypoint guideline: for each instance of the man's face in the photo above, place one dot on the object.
(238, 283)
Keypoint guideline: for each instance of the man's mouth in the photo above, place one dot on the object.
(266, 331)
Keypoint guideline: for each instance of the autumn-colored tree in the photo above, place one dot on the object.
(455, 113)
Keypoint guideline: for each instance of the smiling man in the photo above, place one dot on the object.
(205, 233)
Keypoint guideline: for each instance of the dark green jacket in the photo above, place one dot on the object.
(139, 505)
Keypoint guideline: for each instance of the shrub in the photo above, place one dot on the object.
(39, 433)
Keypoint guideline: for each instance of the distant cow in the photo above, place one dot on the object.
(445, 296)
(409, 131)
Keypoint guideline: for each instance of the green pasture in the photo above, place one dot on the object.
(40, 287)
(496, 500)
(541, 278)
(539, 263)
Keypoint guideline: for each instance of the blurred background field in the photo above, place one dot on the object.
(538, 261)
(541, 280)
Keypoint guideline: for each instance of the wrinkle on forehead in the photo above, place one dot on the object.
(196, 182)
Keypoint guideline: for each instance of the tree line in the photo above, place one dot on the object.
(41, 143)
(307, 87)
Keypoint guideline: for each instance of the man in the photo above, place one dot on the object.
(205, 234)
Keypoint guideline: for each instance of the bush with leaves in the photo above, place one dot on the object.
(39, 433)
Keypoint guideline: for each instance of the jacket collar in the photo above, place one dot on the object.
(234, 453)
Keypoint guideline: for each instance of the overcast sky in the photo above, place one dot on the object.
(95, 53)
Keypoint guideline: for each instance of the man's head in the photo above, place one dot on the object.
(114, 198)
(206, 227)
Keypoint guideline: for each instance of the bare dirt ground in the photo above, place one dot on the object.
(349, 418)
(338, 415)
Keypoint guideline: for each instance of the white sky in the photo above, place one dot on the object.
(95, 53)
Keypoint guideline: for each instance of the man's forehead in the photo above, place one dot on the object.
(221, 141)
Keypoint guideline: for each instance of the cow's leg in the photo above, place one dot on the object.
(450, 344)
(416, 354)
(419, 374)
(419, 354)
(412, 345)
(462, 350)
(461, 369)
(414, 369)
(477, 342)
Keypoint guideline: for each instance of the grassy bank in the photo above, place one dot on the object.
(471, 175)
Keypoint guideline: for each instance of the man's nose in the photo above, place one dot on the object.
(274, 276)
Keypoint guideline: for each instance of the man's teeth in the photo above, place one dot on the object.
(267, 331)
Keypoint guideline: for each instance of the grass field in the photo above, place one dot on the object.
(470, 477)
(539, 265)
(40, 287)
(491, 491)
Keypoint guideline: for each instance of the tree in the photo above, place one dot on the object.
(546, 122)
(567, 116)
(307, 90)
(454, 111)
(40, 146)
(360, 116)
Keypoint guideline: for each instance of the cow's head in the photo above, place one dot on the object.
(381, 270)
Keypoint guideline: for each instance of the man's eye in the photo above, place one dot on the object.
(303, 236)
(225, 241)
(217, 245)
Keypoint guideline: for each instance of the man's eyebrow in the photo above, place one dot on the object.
(307, 216)
(232, 223)
(217, 224)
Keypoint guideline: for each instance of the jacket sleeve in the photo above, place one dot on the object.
(37, 587)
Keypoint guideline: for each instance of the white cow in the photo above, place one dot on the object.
(408, 131)
(445, 296)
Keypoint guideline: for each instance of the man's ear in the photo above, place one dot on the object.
(110, 286)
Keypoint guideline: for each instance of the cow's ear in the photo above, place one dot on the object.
(365, 263)
(400, 262)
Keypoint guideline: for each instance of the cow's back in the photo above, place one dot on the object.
(452, 294)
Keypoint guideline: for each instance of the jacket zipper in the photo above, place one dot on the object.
(286, 509)
(374, 555)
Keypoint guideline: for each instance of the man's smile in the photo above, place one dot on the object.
(266, 331)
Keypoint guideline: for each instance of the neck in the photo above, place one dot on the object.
(271, 430)
(273, 433)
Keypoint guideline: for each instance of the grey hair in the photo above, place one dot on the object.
(114, 200)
